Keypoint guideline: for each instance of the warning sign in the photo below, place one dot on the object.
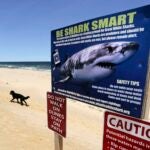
(125, 133)
(56, 110)
(104, 61)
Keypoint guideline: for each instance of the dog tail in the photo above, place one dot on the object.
(27, 97)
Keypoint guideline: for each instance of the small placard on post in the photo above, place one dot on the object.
(126, 133)
(56, 110)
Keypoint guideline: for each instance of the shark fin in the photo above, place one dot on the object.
(63, 80)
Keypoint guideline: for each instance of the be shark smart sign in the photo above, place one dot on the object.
(104, 61)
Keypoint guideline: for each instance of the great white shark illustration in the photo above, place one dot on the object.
(96, 62)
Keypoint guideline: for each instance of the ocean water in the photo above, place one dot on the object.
(27, 65)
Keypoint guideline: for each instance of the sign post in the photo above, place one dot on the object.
(58, 142)
(146, 107)
(56, 110)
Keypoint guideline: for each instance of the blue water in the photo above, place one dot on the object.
(27, 65)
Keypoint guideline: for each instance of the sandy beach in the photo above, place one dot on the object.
(25, 128)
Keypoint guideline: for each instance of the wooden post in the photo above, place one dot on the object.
(58, 142)
(146, 113)
(146, 107)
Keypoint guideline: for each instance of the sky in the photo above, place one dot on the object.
(25, 25)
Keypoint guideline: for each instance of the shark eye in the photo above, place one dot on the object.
(110, 49)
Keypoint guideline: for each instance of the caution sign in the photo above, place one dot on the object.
(125, 133)
(56, 110)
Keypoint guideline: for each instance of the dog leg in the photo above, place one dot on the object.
(17, 100)
(25, 103)
(12, 100)
(21, 101)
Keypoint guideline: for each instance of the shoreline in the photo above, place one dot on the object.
(26, 68)
(29, 65)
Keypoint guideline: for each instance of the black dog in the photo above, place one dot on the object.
(19, 96)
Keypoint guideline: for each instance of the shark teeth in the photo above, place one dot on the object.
(106, 65)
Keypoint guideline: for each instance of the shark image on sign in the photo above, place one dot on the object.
(96, 62)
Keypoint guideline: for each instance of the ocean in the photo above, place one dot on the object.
(27, 65)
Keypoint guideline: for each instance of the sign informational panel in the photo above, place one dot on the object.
(56, 110)
(104, 61)
(125, 133)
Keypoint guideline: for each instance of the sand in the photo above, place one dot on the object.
(25, 128)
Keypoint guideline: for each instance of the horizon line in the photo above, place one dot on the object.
(24, 61)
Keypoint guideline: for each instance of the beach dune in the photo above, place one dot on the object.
(25, 128)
